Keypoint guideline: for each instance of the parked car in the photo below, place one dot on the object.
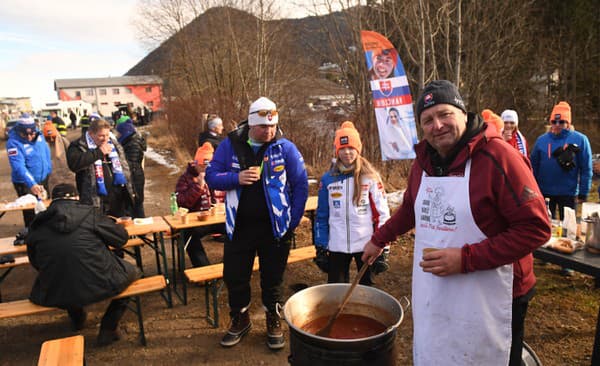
(9, 126)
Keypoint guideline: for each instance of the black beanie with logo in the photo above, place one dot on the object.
(439, 92)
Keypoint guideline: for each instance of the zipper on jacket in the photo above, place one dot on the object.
(347, 216)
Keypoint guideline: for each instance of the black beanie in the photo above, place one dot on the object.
(439, 92)
(64, 190)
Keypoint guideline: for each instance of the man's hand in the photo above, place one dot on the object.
(442, 262)
(37, 190)
(249, 176)
(105, 148)
(371, 252)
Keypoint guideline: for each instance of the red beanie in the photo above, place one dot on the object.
(347, 136)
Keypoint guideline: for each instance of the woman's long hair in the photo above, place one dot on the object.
(362, 168)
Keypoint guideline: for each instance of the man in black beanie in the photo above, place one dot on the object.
(478, 214)
(68, 245)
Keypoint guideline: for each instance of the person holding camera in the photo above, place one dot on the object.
(562, 162)
(351, 204)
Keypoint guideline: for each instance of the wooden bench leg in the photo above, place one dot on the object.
(211, 297)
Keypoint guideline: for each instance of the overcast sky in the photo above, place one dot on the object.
(43, 40)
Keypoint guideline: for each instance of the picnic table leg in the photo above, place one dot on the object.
(138, 258)
(163, 253)
(178, 259)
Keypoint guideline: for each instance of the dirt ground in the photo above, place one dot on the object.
(559, 327)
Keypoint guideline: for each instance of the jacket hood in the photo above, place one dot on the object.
(63, 216)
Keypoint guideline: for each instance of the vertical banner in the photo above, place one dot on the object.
(391, 98)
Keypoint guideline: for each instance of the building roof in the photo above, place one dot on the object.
(110, 81)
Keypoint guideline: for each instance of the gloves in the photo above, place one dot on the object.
(322, 259)
(381, 263)
(20, 238)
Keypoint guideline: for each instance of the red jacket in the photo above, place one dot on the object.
(190, 195)
(507, 205)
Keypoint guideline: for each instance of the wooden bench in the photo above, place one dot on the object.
(212, 273)
(138, 287)
(62, 352)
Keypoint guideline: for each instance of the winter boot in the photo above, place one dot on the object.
(239, 326)
(275, 339)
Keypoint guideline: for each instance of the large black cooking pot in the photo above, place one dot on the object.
(317, 301)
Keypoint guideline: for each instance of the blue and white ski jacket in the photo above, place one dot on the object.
(284, 181)
(340, 225)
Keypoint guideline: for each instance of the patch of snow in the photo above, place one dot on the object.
(160, 159)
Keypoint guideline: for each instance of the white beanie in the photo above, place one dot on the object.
(510, 116)
(262, 104)
(214, 122)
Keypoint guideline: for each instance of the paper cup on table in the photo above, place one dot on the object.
(185, 219)
(220, 208)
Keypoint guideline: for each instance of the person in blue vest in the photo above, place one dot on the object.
(267, 187)
(30, 161)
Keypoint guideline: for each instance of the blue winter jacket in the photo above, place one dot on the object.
(283, 177)
(30, 161)
(554, 180)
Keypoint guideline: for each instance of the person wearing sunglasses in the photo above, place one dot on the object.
(266, 187)
(562, 163)
(30, 161)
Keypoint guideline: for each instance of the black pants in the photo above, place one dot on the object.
(239, 254)
(339, 268)
(118, 202)
(22, 190)
(195, 249)
(519, 311)
(112, 315)
(561, 202)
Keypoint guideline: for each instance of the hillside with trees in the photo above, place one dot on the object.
(523, 55)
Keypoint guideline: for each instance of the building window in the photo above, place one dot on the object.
(128, 91)
(89, 92)
(150, 104)
(148, 89)
(115, 91)
(102, 91)
(103, 103)
(77, 94)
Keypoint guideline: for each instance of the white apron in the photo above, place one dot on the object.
(462, 319)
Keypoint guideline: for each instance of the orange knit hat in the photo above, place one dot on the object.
(204, 154)
(50, 131)
(561, 111)
(347, 136)
(493, 119)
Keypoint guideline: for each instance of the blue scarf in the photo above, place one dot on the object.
(118, 176)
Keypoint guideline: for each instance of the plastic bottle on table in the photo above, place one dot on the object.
(174, 206)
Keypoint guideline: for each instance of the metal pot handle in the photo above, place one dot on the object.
(404, 309)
